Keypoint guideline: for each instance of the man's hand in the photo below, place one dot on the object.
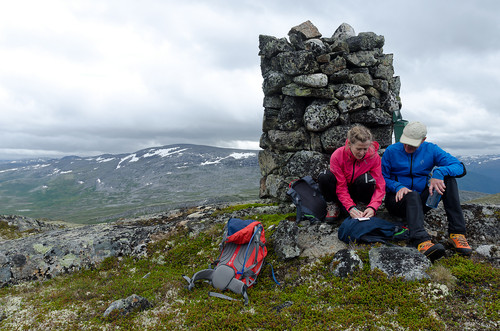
(401, 193)
(438, 185)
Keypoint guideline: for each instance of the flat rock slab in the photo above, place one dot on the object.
(404, 262)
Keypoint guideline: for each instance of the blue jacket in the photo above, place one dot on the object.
(401, 169)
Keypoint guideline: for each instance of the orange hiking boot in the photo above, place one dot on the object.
(459, 244)
(432, 251)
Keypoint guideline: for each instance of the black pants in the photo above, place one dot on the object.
(412, 207)
(360, 190)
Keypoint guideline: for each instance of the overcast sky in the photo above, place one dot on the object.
(100, 76)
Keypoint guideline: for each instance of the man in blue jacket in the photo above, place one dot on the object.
(413, 169)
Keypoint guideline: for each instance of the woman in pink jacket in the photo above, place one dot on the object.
(355, 176)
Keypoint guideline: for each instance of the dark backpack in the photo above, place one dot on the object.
(240, 261)
(307, 197)
(372, 231)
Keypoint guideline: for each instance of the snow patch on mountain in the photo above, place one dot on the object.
(165, 152)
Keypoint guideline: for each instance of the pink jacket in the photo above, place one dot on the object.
(347, 168)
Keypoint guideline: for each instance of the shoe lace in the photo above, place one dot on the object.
(461, 241)
(425, 245)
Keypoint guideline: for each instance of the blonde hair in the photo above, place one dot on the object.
(359, 133)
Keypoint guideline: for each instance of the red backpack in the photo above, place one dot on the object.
(242, 253)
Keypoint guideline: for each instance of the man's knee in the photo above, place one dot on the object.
(412, 198)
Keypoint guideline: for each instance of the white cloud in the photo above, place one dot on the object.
(109, 76)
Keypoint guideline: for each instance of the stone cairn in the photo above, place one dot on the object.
(315, 89)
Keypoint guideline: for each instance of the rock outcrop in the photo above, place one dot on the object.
(315, 89)
(44, 255)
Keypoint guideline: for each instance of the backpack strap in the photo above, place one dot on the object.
(222, 296)
(202, 274)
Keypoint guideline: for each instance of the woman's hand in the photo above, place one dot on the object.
(369, 212)
(355, 213)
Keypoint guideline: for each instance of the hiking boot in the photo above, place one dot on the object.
(432, 251)
(459, 244)
(332, 212)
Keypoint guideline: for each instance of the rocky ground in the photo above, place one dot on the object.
(48, 250)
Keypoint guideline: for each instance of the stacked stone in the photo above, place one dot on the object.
(315, 89)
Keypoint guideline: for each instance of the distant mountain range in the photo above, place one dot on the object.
(483, 174)
(107, 187)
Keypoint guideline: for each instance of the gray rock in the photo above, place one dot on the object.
(270, 46)
(345, 262)
(270, 161)
(285, 240)
(295, 90)
(290, 116)
(274, 82)
(274, 186)
(383, 135)
(489, 251)
(344, 31)
(372, 117)
(316, 46)
(305, 163)
(354, 104)
(300, 33)
(363, 58)
(404, 262)
(334, 137)
(289, 140)
(312, 80)
(348, 91)
(298, 63)
(318, 239)
(338, 64)
(128, 305)
(48, 254)
(365, 41)
(384, 72)
(273, 101)
(362, 79)
(320, 115)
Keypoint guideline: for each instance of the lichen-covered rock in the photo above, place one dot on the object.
(348, 91)
(305, 163)
(344, 31)
(274, 82)
(298, 63)
(285, 240)
(126, 306)
(270, 46)
(289, 140)
(345, 262)
(372, 116)
(404, 262)
(312, 80)
(334, 137)
(365, 41)
(320, 115)
(302, 32)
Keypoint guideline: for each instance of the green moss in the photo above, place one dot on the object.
(9, 231)
(234, 208)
